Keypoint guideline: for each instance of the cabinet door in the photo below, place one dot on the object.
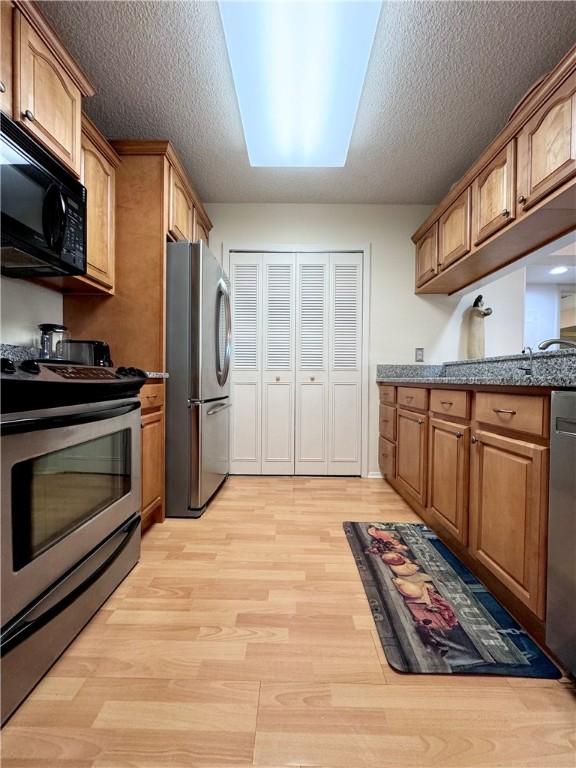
(411, 453)
(508, 513)
(180, 209)
(427, 255)
(448, 476)
(547, 147)
(152, 460)
(98, 176)
(47, 103)
(200, 231)
(386, 457)
(6, 89)
(493, 195)
(454, 231)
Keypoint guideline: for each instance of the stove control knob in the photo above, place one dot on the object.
(7, 366)
(30, 366)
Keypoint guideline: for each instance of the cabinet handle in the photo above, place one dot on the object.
(2, 87)
(474, 439)
(504, 410)
(277, 378)
(505, 213)
(420, 421)
(408, 398)
(446, 402)
(459, 434)
(522, 199)
(29, 115)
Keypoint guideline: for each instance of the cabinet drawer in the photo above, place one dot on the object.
(152, 396)
(413, 397)
(524, 413)
(387, 457)
(388, 422)
(450, 402)
(387, 393)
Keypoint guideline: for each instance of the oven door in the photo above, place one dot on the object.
(70, 477)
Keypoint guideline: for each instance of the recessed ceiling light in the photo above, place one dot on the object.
(558, 270)
(299, 69)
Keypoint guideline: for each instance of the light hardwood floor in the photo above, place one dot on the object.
(245, 638)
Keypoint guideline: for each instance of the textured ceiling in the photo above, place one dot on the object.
(442, 79)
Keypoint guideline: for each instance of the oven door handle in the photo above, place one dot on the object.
(69, 588)
(35, 424)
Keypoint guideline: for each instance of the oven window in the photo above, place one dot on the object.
(55, 493)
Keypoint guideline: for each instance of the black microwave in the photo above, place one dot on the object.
(43, 210)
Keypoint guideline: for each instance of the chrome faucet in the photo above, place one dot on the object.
(550, 342)
(528, 369)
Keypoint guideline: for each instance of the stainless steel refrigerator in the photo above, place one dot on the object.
(198, 347)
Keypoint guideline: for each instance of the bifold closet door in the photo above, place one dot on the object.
(246, 370)
(312, 299)
(278, 311)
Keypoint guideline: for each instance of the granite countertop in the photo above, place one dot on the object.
(553, 369)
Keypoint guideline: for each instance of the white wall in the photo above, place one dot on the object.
(399, 320)
(23, 306)
(542, 320)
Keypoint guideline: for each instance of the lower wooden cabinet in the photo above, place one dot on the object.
(448, 476)
(508, 512)
(152, 437)
(387, 457)
(411, 453)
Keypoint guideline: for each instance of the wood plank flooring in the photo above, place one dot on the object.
(244, 638)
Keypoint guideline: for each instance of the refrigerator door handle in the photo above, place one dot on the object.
(218, 408)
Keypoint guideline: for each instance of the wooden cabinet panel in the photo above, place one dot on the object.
(493, 195)
(47, 101)
(450, 402)
(152, 461)
(151, 396)
(411, 453)
(387, 393)
(427, 256)
(181, 211)
(200, 230)
(547, 147)
(508, 514)
(6, 87)
(413, 397)
(523, 413)
(98, 176)
(454, 231)
(387, 457)
(448, 472)
(388, 421)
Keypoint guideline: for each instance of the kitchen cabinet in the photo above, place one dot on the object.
(387, 457)
(98, 174)
(200, 228)
(427, 255)
(181, 209)
(547, 147)
(6, 73)
(152, 439)
(47, 100)
(411, 453)
(454, 231)
(508, 513)
(493, 195)
(388, 421)
(448, 470)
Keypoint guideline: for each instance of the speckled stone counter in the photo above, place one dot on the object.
(554, 369)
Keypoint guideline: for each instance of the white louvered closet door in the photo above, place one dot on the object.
(312, 305)
(278, 364)
(246, 369)
(345, 366)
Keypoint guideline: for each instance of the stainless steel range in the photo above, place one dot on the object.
(70, 511)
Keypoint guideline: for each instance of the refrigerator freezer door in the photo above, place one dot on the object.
(209, 432)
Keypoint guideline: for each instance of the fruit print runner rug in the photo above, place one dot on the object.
(432, 614)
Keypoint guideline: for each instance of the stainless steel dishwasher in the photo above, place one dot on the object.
(561, 598)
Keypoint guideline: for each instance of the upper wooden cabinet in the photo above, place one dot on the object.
(547, 147)
(200, 228)
(493, 195)
(181, 215)
(48, 87)
(518, 196)
(454, 231)
(508, 514)
(98, 170)
(427, 255)
(6, 87)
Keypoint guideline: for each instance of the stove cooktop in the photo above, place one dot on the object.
(32, 385)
